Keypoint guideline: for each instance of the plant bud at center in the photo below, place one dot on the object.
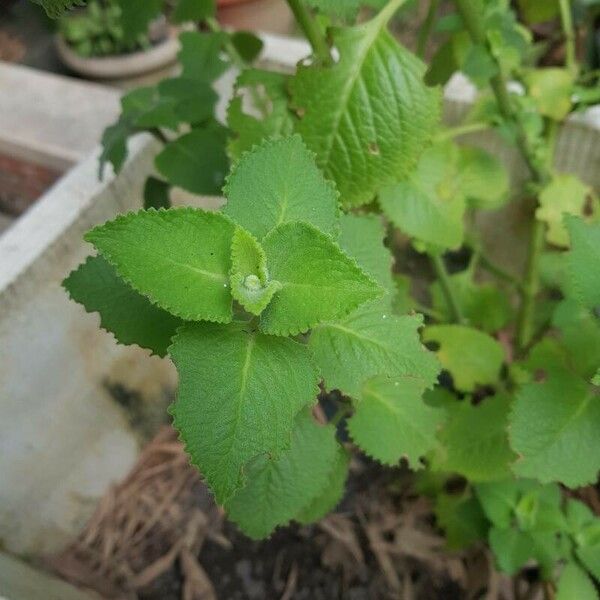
(252, 282)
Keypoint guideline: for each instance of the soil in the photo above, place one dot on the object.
(159, 536)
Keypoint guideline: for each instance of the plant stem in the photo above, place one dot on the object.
(342, 411)
(426, 28)
(499, 272)
(159, 135)
(442, 274)
(311, 30)
(566, 17)
(453, 132)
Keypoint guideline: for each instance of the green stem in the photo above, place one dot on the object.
(452, 132)
(429, 312)
(342, 411)
(311, 30)
(159, 135)
(442, 274)
(427, 27)
(566, 17)
(499, 272)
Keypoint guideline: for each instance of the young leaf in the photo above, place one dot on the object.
(474, 441)
(370, 342)
(551, 89)
(239, 393)
(564, 194)
(332, 493)
(472, 357)
(362, 143)
(251, 128)
(193, 10)
(179, 258)
(318, 281)
(129, 316)
(278, 487)
(200, 55)
(261, 197)
(392, 421)
(361, 237)
(196, 161)
(429, 205)
(554, 429)
(250, 284)
(574, 582)
(584, 260)
(462, 520)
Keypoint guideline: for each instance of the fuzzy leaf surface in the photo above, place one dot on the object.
(471, 356)
(279, 182)
(554, 429)
(239, 393)
(278, 488)
(584, 260)
(371, 341)
(179, 258)
(392, 421)
(369, 116)
(318, 281)
(129, 316)
(474, 441)
(250, 284)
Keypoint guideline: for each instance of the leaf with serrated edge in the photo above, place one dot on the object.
(471, 356)
(369, 116)
(250, 284)
(474, 441)
(318, 281)
(279, 487)
(554, 429)
(129, 316)
(239, 393)
(583, 260)
(179, 258)
(371, 341)
(331, 495)
(278, 182)
(54, 8)
(392, 421)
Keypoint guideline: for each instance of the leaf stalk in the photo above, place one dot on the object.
(311, 30)
(444, 278)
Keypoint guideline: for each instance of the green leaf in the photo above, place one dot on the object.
(574, 583)
(554, 429)
(474, 440)
(196, 161)
(136, 16)
(462, 520)
(55, 8)
(143, 108)
(551, 89)
(156, 193)
(251, 127)
(129, 316)
(370, 342)
(248, 45)
(114, 145)
(276, 183)
(584, 260)
(250, 284)
(200, 55)
(239, 393)
(332, 493)
(483, 305)
(361, 237)
(278, 488)
(179, 258)
(564, 194)
(428, 205)
(193, 101)
(318, 281)
(362, 142)
(538, 11)
(193, 10)
(499, 499)
(392, 421)
(484, 180)
(472, 357)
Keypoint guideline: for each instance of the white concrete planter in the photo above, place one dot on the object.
(64, 435)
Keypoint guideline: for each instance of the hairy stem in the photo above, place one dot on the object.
(451, 300)
(427, 27)
(311, 30)
(566, 17)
